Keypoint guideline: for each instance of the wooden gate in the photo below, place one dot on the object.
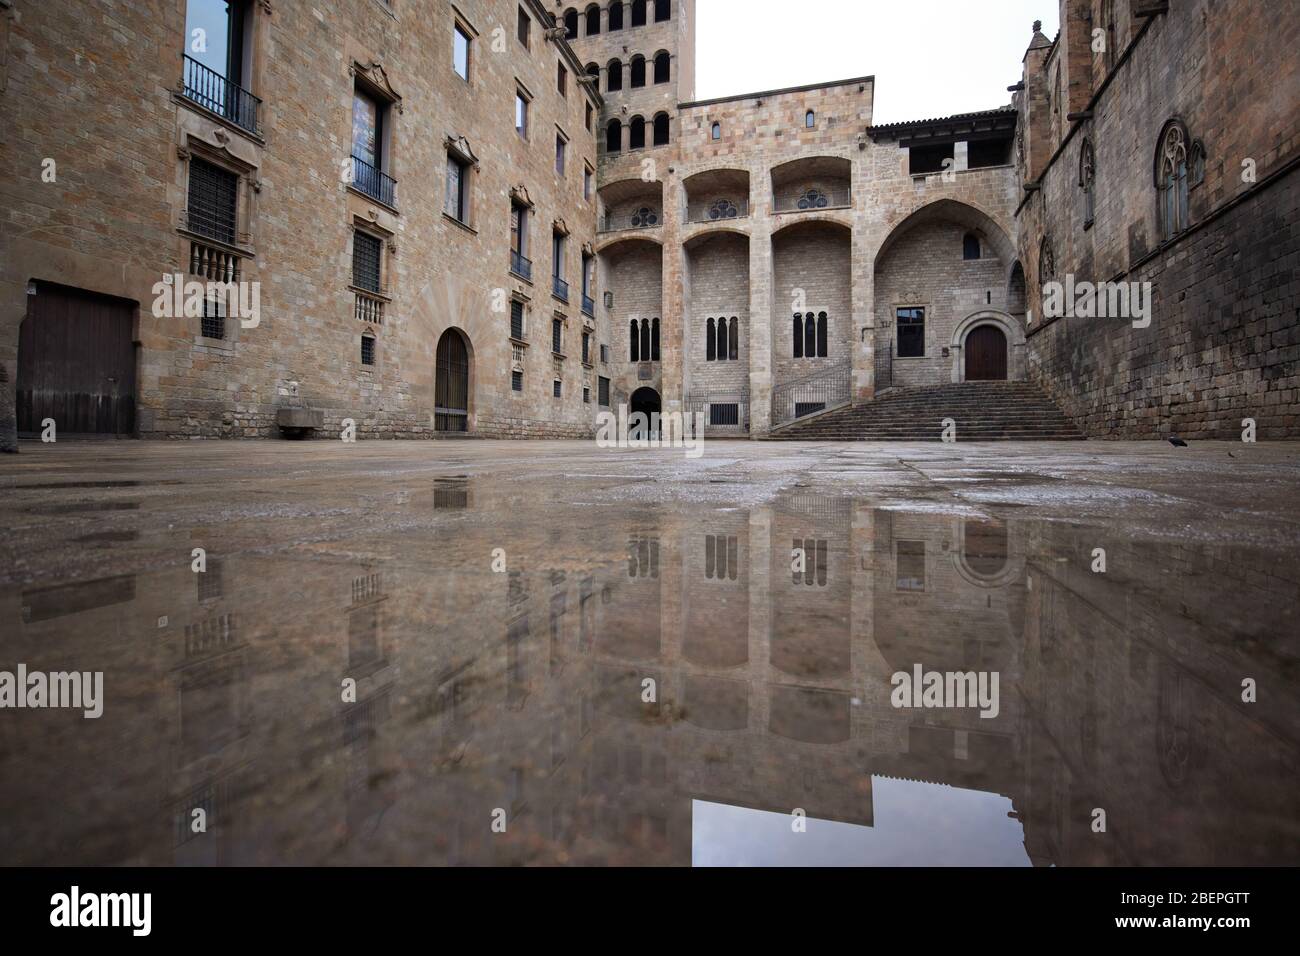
(76, 363)
(451, 384)
(986, 354)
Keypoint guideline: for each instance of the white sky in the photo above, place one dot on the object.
(930, 57)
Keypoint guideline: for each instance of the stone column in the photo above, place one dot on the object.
(760, 325)
(862, 258)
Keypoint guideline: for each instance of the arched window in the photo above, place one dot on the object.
(636, 133)
(634, 340)
(616, 15)
(810, 336)
(645, 216)
(661, 129)
(593, 20)
(613, 136)
(638, 13)
(1172, 178)
(723, 209)
(1088, 180)
(715, 132)
(593, 71)
(663, 10)
(722, 339)
(1046, 262)
(733, 339)
(613, 76)
(970, 246)
(810, 120)
(638, 72)
(710, 342)
(662, 66)
(654, 340)
(821, 335)
(570, 24)
(797, 335)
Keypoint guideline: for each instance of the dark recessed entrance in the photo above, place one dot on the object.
(76, 363)
(986, 354)
(645, 400)
(451, 384)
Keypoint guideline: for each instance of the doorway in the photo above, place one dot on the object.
(986, 354)
(451, 384)
(76, 363)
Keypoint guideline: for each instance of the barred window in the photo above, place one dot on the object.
(366, 250)
(725, 413)
(557, 335)
(367, 350)
(602, 391)
(213, 323)
(586, 394)
(516, 319)
(457, 205)
(557, 388)
(516, 381)
(212, 201)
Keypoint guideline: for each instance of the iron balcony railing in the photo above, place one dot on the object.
(222, 96)
(824, 389)
(640, 219)
(717, 210)
(560, 288)
(375, 183)
(588, 305)
(521, 265)
(810, 200)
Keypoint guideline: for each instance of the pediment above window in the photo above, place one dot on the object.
(374, 76)
(520, 195)
(460, 146)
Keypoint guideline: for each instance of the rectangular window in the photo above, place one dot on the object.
(726, 413)
(586, 395)
(557, 336)
(561, 151)
(213, 323)
(366, 250)
(367, 350)
(457, 189)
(516, 381)
(214, 69)
(367, 129)
(518, 228)
(460, 51)
(911, 332)
(602, 390)
(525, 28)
(586, 348)
(213, 195)
(516, 319)
(604, 354)
(556, 390)
(521, 114)
(587, 117)
(562, 79)
(910, 566)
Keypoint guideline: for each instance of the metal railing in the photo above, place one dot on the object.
(810, 200)
(369, 308)
(521, 266)
(717, 210)
(375, 183)
(214, 92)
(885, 367)
(626, 221)
(588, 305)
(821, 390)
(724, 411)
(560, 288)
(213, 264)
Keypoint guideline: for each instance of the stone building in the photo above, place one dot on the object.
(398, 176)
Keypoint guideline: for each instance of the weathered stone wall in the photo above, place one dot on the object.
(814, 258)
(1224, 336)
(719, 287)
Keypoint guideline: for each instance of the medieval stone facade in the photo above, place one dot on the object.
(398, 178)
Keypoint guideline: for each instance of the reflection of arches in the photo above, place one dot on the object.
(983, 553)
(451, 383)
(1177, 736)
(1012, 341)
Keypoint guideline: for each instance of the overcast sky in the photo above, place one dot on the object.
(929, 57)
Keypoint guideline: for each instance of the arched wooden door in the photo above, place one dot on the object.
(451, 384)
(986, 354)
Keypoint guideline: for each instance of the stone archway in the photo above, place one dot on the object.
(1012, 333)
(451, 382)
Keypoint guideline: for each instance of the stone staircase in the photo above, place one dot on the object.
(983, 411)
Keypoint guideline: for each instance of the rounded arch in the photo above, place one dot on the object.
(645, 399)
(636, 132)
(453, 382)
(662, 67)
(964, 213)
(636, 69)
(614, 136)
(614, 75)
(592, 17)
(840, 223)
(1007, 324)
(570, 21)
(984, 555)
(662, 129)
(638, 13)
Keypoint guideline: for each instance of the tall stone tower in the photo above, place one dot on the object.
(641, 55)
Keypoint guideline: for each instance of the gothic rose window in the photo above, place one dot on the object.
(813, 199)
(645, 216)
(723, 209)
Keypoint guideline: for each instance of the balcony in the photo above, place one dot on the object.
(644, 218)
(373, 182)
(212, 91)
(588, 305)
(521, 266)
(812, 200)
(213, 263)
(369, 307)
(560, 289)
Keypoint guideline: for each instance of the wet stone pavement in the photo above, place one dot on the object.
(673, 661)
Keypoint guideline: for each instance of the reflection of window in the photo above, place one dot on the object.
(911, 332)
(909, 571)
(721, 557)
(985, 547)
(809, 562)
(521, 114)
(460, 51)
(642, 557)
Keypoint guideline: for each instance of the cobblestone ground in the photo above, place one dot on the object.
(477, 652)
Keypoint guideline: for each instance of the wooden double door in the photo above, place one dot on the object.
(76, 363)
(986, 354)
